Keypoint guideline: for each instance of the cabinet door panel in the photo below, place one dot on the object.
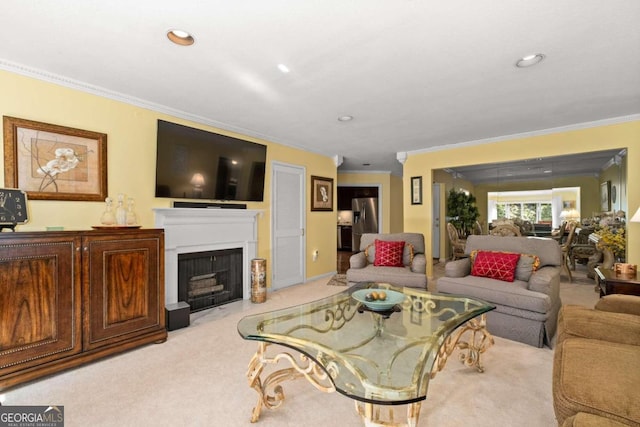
(39, 303)
(126, 285)
(123, 288)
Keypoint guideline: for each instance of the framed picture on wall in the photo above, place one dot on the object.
(52, 162)
(605, 196)
(321, 193)
(416, 190)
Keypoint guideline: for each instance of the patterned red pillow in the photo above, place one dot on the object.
(495, 265)
(388, 254)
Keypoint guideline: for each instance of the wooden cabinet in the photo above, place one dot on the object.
(610, 282)
(344, 198)
(70, 297)
(40, 304)
(346, 194)
(345, 237)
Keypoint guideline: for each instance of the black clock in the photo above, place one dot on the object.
(13, 207)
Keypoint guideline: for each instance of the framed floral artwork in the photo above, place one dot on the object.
(52, 162)
(321, 194)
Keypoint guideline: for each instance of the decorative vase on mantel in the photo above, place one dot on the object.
(121, 212)
(108, 217)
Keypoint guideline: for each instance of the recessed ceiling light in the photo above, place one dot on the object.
(345, 118)
(529, 60)
(180, 37)
(283, 68)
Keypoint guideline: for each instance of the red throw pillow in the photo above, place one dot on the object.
(388, 254)
(495, 265)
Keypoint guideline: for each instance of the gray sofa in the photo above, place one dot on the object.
(411, 274)
(526, 310)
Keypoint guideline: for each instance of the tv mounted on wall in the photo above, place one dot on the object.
(196, 164)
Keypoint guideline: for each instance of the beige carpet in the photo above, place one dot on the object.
(197, 378)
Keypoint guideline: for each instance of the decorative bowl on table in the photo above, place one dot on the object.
(366, 297)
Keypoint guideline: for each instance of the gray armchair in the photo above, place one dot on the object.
(527, 308)
(412, 273)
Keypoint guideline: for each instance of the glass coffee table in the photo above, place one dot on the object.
(374, 355)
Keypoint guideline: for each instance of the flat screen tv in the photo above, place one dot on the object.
(196, 164)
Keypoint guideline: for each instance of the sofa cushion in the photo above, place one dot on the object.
(597, 377)
(407, 253)
(577, 321)
(583, 419)
(548, 250)
(527, 265)
(619, 303)
(396, 276)
(415, 239)
(495, 265)
(497, 292)
(388, 254)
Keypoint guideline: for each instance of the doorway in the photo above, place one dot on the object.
(287, 224)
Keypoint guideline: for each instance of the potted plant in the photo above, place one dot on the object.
(462, 211)
(613, 243)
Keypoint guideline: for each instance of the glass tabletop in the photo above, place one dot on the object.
(382, 357)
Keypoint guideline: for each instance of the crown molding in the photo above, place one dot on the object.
(577, 126)
(363, 172)
(57, 79)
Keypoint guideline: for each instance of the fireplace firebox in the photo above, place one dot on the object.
(211, 278)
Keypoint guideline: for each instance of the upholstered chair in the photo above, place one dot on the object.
(505, 230)
(457, 243)
(477, 229)
(527, 307)
(566, 249)
(376, 261)
(559, 233)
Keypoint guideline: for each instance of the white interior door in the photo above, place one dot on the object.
(287, 224)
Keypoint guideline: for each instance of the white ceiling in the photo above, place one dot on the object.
(541, 168)
(414, 74)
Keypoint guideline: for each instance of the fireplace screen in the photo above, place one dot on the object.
(208, 279)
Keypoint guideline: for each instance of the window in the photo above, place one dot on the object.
(538, 212)
(536, 206)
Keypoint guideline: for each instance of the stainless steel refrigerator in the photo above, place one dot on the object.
(365, 219)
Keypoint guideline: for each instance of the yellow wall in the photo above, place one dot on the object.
(131, 157)
(390, 193)
(396, 222)
(418, 218)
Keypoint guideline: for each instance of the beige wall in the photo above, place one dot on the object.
(131, 156)
(418, 218)
(390, 193)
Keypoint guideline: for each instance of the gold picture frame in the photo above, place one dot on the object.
(321, 193)
(52, 162)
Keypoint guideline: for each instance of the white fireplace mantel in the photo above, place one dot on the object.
(188, 230)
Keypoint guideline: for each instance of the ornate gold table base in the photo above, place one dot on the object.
(271, 394)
